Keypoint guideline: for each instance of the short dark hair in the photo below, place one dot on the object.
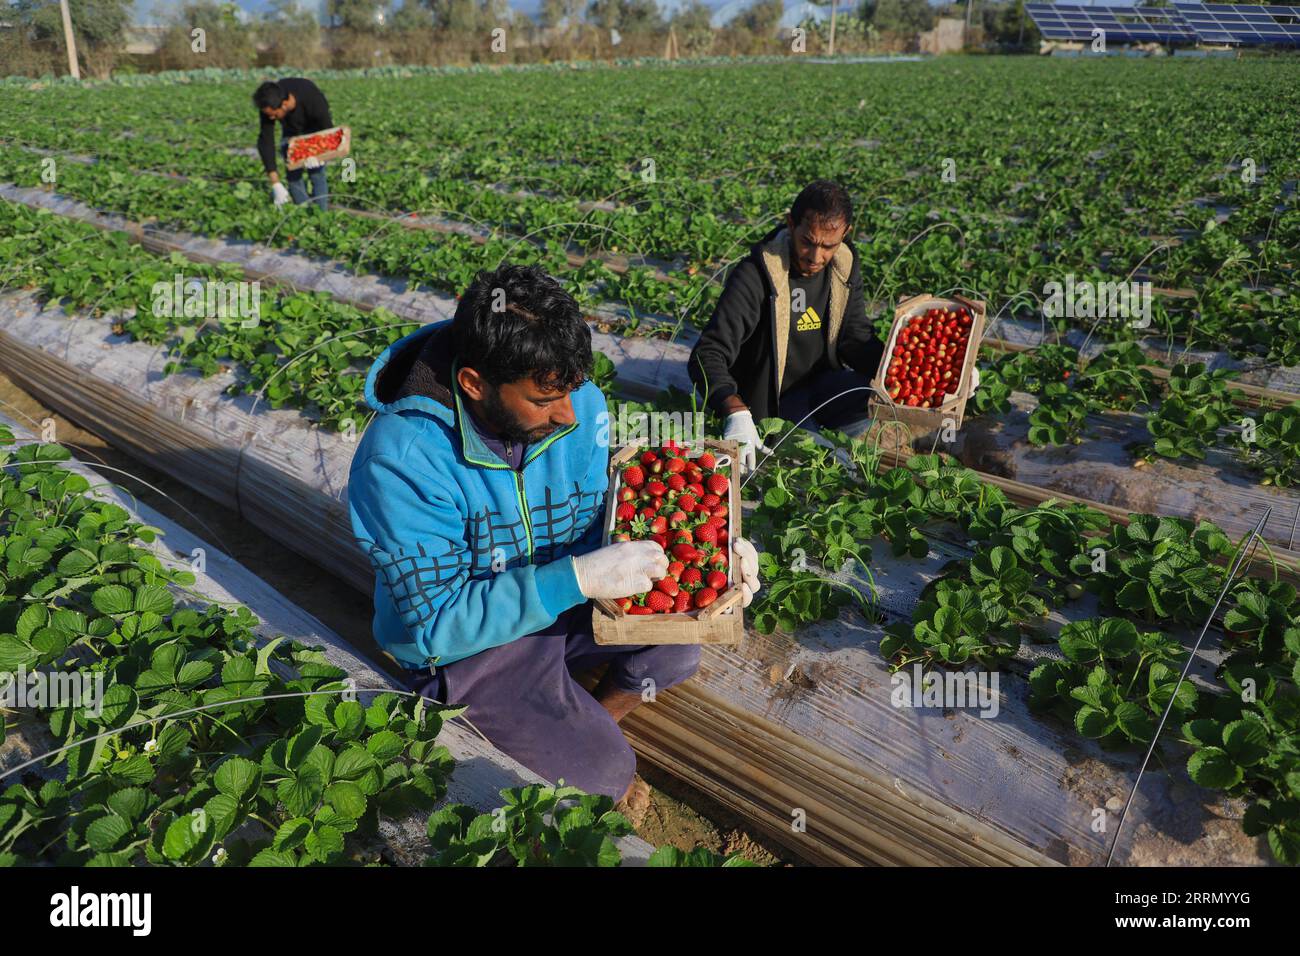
(518, 322)
(268, 94)
(826, 201)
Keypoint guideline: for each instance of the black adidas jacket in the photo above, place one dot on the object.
(742, 349)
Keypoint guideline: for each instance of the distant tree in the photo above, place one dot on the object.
(694, 25)
(225, 41)
(292, 34)
(626, 16)
(98, 25)
(557, 12)
(362, 15)
(903, 17)
(1007, 24)
(762, 18)
(413, 15)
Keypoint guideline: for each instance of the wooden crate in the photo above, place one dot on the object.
(722, 622)
(884, 409)
(344, 147)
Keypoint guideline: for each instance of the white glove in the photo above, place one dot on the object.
(740, 428)
(313, 162)
(974, 377)
(620, 570)
(279, 195)
(747, 565)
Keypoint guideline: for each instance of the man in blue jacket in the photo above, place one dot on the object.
(478, 493)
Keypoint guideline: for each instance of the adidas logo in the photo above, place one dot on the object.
(810, 321)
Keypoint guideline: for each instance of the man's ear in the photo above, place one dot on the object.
(471, 383)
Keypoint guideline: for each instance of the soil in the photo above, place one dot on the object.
(678, 814)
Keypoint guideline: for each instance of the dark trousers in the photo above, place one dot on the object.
(798, 401)
(524, 699)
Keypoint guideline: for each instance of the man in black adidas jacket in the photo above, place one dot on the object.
(790, 330)
(299, 106)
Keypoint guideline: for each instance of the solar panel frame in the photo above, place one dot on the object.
(1251, 25)
(1248, 25)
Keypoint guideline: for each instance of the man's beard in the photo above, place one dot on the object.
(507, 426)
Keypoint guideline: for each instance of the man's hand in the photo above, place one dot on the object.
(279, 195)
(740, 428)
(312, 162)
(620, 570)
(747, 566)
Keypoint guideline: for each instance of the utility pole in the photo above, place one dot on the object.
(70, 41)
(834, 4)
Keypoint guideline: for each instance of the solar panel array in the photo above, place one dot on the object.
(1240, 23)
(1121, 24)
(1252, 25)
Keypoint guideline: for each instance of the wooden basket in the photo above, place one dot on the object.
(344, 147)
(884, 409)
(722, 622)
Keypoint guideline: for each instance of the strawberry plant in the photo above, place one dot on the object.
(1158, 568)
(1114, 682)
(1189, 417)
(1275, 450)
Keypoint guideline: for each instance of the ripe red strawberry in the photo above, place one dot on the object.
(657, 503)
(675, 465)
(718, 559)
(719, 484)
(626, 493)
(634, 477)
(660, 539)
(675, 569)
(687, 503)
(668, 585)
(705, 596)
(647, 512)
(710, 500)
(707, 461)
(625, 512)
(722, 537)
(683, 535)
(676, 482)
(707, 533)
(716, 580)
(695, 488)
(684, 551)
(639, 609)
(690, 577)
(648, 458)
(624, 603)
(718, 511)
(659, 602)
(677, 519)
(659, 525)
(683, 602)
(656, 488)
(622, 536)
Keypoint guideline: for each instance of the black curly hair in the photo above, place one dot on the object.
(825, 200)
(518, 322)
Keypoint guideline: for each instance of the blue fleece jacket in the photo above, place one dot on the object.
(468, 552)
